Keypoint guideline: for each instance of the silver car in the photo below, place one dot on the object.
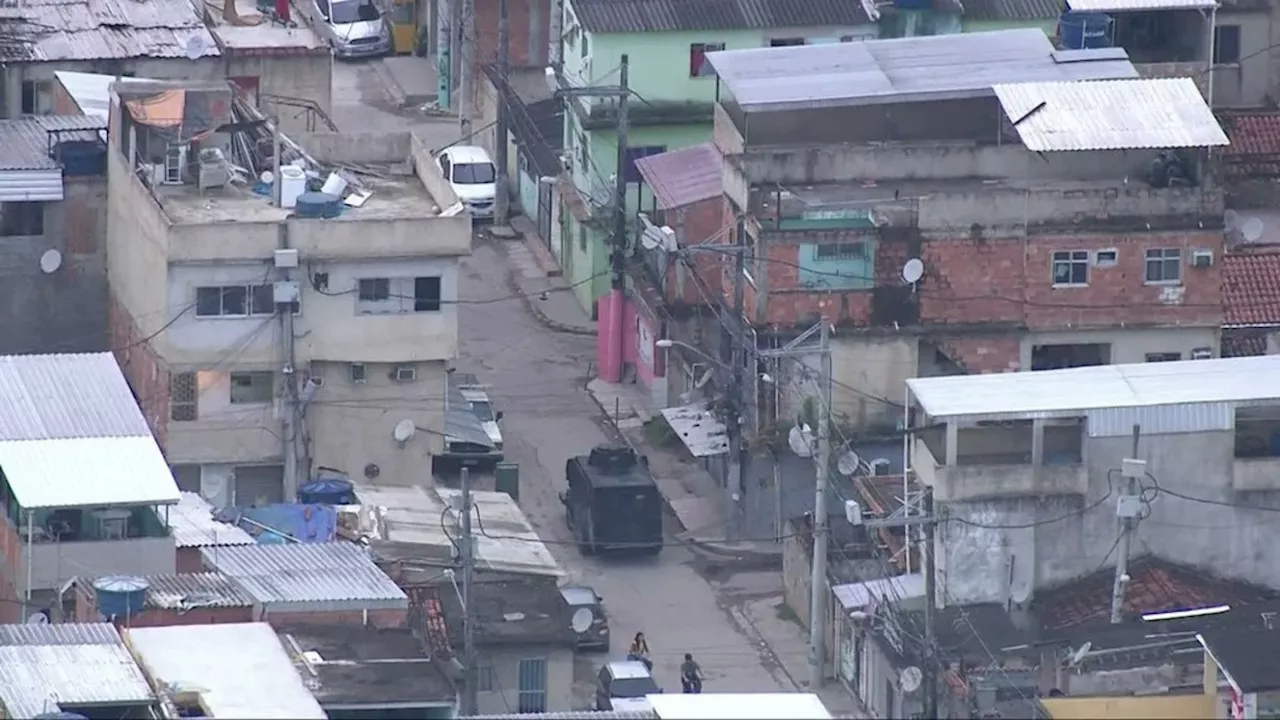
(353, 28)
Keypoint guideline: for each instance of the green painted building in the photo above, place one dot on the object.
(674, 93)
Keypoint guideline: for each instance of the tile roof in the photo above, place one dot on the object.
(308, 577)
(1251, 288)
(1012, 10)
(75, 664)
(26, 141)
(53, 30)
(1253, 133)
(193, 524)
(1155, 585)
(683, 177)
(636, 16)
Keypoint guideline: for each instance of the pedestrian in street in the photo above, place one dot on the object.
(640, 651)
(690, 675)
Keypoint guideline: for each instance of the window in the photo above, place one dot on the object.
(1106, 258)
(182, 396)
(187, 477)
(532, 685)
(1071, 267)
(235, 300)
(251, 388)
(36, 97)
(638, 153)
(21, 218)
(586, 45)
(698, 65)
(382, 296)
(484, 678)
(1226, 45)
(786, 42)
(582, 238)
(358, 373)
(1164, 357)
(1164, 265)
(847, 250)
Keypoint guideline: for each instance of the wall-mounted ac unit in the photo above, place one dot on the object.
(405, 373)
(1201, 353)
(1202, 258)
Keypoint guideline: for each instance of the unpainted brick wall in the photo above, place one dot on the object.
(147, 374)
(520, 13)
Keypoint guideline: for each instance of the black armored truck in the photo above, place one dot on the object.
(612, 505)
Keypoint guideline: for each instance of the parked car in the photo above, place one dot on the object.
(623, 685)
(352, 28)
(581, 597)
(473, 176)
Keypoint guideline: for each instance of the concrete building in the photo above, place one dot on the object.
(85, 487)
(1023, 464)
(944, 230)
(199, 276)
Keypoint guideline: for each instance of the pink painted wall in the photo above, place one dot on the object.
(640, 335)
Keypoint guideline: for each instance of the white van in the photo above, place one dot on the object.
(473, 176)
(353, 28)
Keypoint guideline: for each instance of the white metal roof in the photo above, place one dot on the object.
(1139, 5)
(192, 524)
(917, 69)
(856, 596)
(239, 670)
(699, 429)
(91, 91)
(741, 706)
(87, 664)
(308, 577)
(1110, 115)
(49, 397)
(1066, 393)
(87, 472)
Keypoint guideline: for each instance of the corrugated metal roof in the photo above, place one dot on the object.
(66, 396)
(683, 177)
(308, 576)
(195, 590)
(26, 141)
(60, 634)
(914, 69)
(637, 16)
(1139, 5)
(699, 429)
(192, 523)
(857, 596)
(107, 30)
(240, 670)
(570, 715)
(88, 472)
(91, 91)
(1072, 392)
(1110, 115)
(1012, 10)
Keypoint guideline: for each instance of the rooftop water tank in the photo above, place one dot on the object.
(327, 490)
(120, 596)
(316, 205)
(1085, 31)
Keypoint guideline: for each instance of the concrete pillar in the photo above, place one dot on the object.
(1037, 442)
(953, 438)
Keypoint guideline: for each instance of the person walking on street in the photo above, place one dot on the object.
(690, 675)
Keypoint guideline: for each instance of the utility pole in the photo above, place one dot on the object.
(818, 578)
(1128, 508)
(617, 254)
(466, 84)
(444, 55)
(930, 601)
(290, 423)
(739, 355)
(468, 608)
(501, 200)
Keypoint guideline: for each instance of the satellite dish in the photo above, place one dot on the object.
(1231, 219)
(913, 270)
(403, 431)
(582, 620)
(195, 47)
(1079, 654)
(1251, 229)
(50, 261)
(848, 463)
(38, 619)
(910, 679)
(801, 440)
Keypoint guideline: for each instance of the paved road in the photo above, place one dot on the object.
(360, 104)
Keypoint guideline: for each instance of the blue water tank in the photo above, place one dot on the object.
(1085, 31)
(120, 596)
(317, 205)
(327, 490)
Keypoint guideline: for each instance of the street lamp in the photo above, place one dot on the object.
(668, 343)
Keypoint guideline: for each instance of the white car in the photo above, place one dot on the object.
(473, 176)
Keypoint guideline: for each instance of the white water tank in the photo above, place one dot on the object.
(293, 182)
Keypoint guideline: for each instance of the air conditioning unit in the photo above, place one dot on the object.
(405, 373)
(1202, 258)
(1201, 353)
(357, 371)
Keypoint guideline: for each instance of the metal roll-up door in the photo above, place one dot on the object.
(259, 484)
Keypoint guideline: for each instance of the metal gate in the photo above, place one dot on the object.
(546, 200)
(259, 484)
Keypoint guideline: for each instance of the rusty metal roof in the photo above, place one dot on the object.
(637, 16)
(25, 142)
(683, 177)
(107, 30)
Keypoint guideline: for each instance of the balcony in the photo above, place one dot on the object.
(62, 544)
(1001, 460)
(1256, 465)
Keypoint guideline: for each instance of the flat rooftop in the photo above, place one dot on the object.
(1229, 382)
(261, 34)
(394, 198)
(353, 667)
(743, 706)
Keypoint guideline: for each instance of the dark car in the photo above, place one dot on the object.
(466, 444)
(580, 597)
(623, 686)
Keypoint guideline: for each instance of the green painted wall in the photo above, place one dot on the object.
(659, 62)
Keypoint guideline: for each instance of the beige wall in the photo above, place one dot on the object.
(137, 245)
(504, 697)
(1172, 707)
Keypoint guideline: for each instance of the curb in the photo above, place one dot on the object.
(540, 316)
(764, 559)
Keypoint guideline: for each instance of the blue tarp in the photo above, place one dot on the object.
(304, 523)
